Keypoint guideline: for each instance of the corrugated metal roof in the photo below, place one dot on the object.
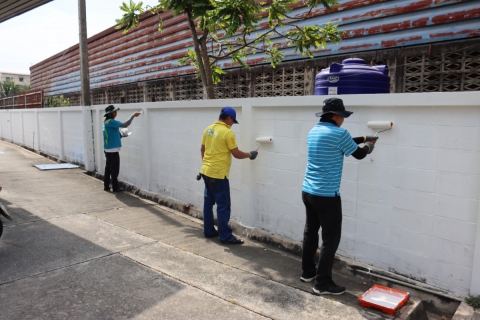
(13, 8)
(145, 54)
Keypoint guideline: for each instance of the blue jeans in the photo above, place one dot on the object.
(217, 191)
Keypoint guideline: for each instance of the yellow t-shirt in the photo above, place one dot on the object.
(218, 140)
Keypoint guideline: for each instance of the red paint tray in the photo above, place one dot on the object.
(386, 299)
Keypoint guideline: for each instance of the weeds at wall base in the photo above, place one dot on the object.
(473, 301)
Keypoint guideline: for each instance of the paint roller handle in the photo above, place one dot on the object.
(372, 139)
(253, 155)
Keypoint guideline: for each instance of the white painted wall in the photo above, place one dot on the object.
(411, 207)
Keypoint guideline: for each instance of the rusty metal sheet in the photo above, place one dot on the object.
(31, 99)
(145, 54)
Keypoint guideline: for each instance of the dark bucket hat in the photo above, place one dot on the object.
(110, 109)
(334, 105)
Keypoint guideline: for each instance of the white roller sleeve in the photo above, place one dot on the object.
(264, 139)
(380, 124)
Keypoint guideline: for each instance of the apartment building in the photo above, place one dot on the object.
(18, 78)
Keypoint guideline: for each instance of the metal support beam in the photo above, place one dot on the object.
(88, 144)
(85, 78)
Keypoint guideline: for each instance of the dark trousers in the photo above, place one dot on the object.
(217, 191)
(112, 169)
(324, 212)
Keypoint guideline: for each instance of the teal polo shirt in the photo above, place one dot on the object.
(111, 134)
(327, 144)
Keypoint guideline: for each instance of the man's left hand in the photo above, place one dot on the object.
(372, 139)
(370, 146)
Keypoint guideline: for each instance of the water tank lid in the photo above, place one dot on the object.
(336, 67)
(354, 61)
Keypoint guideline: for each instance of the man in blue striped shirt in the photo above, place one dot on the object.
(327, 146)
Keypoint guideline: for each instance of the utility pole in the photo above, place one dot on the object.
(85, 78)
(88, 144)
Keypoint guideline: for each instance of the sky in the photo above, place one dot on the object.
(49, 29)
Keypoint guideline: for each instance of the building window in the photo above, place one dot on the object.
(20, 79)
(9, 78)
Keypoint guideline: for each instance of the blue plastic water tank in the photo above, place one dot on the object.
(352, 76)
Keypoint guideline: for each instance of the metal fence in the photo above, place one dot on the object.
(31, 99)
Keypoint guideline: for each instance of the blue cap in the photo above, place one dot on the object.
(229, 111)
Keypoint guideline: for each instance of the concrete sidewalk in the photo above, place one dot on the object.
(74, 251)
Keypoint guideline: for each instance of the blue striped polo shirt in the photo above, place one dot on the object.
(327, 145)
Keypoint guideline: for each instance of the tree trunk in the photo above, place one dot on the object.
(208, 70)
(198, 52)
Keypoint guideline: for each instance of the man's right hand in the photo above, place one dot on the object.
(370, 146)
(253, 155)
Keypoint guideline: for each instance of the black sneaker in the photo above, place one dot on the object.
(307, 278)
(234, 241)
(213, 236)
(331, 288)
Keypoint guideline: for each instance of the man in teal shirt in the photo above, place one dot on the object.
(327, 145)
(112, 145)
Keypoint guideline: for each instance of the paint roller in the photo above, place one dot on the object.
(260, 140)
(384, 125)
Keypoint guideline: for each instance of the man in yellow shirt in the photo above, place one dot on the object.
(218, 146)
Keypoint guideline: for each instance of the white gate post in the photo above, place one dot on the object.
(36, 134)
(22, 113)
(475, 284)
(146, 150)
(246, 217)
(61, 140)
(89, 153)
(11, 127)
(99, 138)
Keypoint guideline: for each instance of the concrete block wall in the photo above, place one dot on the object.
(56, 131)
(72, 137)
(411, 207)
(29, 126)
